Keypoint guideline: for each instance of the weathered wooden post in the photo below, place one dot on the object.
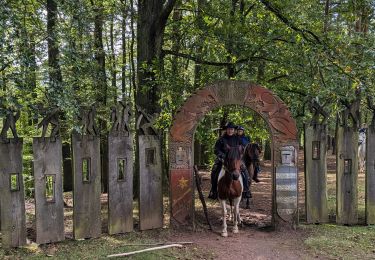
(87, 186)
(347, 167)
(12, 198)
(316, 167)
(120, 171)
(49, 203)
(370, 168)
(150, 173)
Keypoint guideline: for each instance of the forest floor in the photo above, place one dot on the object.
(256, 239)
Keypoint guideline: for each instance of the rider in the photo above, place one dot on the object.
(246, 140)
(241, 133)
(232, 140)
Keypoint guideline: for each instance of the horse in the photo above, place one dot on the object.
(230, 186)
(362, 150)
(251, 159)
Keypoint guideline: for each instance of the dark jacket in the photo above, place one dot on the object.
(221, 144)
(245, 139)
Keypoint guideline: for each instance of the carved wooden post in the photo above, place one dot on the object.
(316, 167)
(120, 172)
(87, 186)
(347, 170)
(49, 203)
(370, 168)
(12, 199)
(150, 174)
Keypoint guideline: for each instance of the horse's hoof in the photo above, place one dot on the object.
(224, 234)
(235, 230)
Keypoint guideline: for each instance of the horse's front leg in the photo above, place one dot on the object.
(236, 204)
(224, 232)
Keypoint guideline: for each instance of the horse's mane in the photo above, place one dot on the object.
(234, 153)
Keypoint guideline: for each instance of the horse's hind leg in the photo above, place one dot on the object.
(224, 232)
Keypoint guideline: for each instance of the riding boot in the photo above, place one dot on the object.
(214, 179)
(245, 179)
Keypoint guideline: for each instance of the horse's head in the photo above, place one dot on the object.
(233, 160)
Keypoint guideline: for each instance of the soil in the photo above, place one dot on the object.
(256, 239)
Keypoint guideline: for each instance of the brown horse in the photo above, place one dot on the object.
(251, 159)
(230, 186)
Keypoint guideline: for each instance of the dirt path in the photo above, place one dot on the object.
(256, 240)
(250, 243)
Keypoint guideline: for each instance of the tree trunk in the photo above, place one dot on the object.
(99, 54)
(113, 60)
(55, 76)
(123, 47)
(152, 19)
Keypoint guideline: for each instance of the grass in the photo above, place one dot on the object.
(101, 247)
(342, 242)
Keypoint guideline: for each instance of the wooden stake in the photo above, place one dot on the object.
(201, 197)
(144, 250)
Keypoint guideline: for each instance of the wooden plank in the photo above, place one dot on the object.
(316, 173)
(49, 203)
(150, 181)
(347, 176)
(370, 176)
(120, 189)
(13, 218)
(86, 191)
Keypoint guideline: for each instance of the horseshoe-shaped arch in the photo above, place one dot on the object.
(283, 132)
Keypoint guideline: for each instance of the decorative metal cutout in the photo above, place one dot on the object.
(87, 117)
(316, 150)
(150, 154)
(348, 166)
(146, 123)
(10, 123)
(120, 118)
(50, 183)
(14, 181)
(86, 170)
(121, 169)
(51, 118)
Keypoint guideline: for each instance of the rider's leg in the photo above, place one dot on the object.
(214, 179)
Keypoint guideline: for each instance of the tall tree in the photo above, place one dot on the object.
(152, 19)
(55, 76)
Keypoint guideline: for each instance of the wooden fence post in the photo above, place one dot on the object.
(150, 173)
(49, 203)
(316, 173)
(347, 175)
(120, 172)
(370, 176)
(12, 198)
